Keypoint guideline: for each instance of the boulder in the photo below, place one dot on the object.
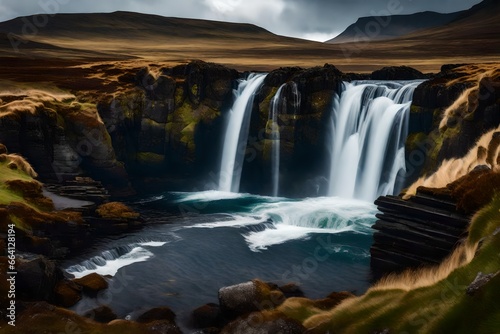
(37, 278)
(244, 298)
(92, 284)
(291, 290)
(103, 314)
(67, 293)
(159, 313)
(207, 316)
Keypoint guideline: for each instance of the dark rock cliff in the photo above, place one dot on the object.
(449, 113)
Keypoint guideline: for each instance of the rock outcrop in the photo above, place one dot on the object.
(411, 233)
(303, 114)
(450, 113)
(398, 73)
(170, 122)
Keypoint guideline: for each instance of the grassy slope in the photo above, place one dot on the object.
(428, 304)
(6, 174)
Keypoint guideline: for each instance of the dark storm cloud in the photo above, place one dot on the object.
(317, 19)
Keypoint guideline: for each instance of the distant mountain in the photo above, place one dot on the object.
(472, 37)
(428, 40)
(375, 28)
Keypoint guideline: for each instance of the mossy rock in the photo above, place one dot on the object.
(116, 210)
(151, 159)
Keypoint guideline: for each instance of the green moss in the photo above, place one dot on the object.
(265, 104)
(486, 221)
(179, 96)
(413, 141)
(194, 90)
(415, 109)
(146, 122)
(6, 174)
(150, 158)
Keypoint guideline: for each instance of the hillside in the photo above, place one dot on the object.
(145, 39)
(473, 34)
(393, 26)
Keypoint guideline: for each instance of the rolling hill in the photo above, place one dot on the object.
(468, 36)
(388, 27)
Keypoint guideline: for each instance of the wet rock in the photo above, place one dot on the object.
(264, 323)
(207, 316)
(36, 279)
(291, 290)
(92, 284)
(103, 314)
(159, 313)
(67, 293)
(480, 281)
(248, 297)
(415, 232)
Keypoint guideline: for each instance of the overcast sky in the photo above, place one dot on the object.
(311, 19)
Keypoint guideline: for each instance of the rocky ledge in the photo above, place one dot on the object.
(427, 227)
(411, 233)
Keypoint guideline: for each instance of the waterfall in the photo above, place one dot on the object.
(280, 105)
(369, 130)
(236, 135)
(275, 138)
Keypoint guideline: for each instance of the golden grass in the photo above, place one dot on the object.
(453, 169)
(429, 300)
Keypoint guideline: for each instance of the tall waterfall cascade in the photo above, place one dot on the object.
(275, 137)
(369, 130)
(236, 135)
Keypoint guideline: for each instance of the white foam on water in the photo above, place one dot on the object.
(153, 243)
(110, 261)
(297, 220)
(111, 266)
(292, 220)
(208, 196)
(151, 199)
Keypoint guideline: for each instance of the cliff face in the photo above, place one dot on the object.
(114, 123)
(127, 122)
(171, 121)
(304, 110)
(453, 160)
(450, 113)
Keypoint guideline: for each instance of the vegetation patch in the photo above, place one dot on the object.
(116, 210)
(431, 300)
